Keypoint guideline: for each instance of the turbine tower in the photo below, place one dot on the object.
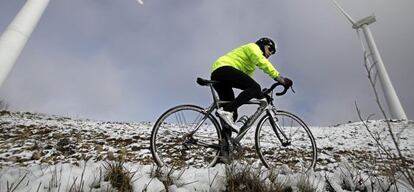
(395, 108)
(14, 38)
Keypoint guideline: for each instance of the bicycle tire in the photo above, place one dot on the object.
(300, 155)
(169, 146)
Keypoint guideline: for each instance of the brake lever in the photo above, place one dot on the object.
(291, 87)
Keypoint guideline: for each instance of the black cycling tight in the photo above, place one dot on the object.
(229, 78)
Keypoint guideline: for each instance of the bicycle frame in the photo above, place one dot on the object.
(264, 105)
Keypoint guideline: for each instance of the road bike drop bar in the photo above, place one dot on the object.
(285, 89)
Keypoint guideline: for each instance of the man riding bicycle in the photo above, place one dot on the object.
(188, 134)
(235, 70)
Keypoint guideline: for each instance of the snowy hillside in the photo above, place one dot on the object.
(38, 151)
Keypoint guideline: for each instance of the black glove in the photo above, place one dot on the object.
(286, 82)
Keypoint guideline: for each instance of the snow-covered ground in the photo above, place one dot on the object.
(52, 153)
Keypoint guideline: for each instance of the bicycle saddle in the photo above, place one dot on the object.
(205, 82)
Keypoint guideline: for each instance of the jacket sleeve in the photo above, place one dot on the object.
(261, 61)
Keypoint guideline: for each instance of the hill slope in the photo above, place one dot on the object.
(29, 139)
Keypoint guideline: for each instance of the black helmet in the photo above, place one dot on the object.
(262, 42)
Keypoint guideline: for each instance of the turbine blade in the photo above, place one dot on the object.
(344, 13)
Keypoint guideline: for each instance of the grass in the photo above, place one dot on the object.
(249, 179)
(12, 186)
(305, 185)
(119, 177)
(245, 178)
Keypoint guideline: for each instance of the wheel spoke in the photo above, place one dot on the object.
(299, 154)
(173, 142)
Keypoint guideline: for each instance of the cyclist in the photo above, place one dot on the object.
(235, 70)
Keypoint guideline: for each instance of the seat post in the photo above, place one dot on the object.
(215, 97)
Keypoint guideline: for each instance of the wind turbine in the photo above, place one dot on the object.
(14, 38)
(16, 35)
(395, 108)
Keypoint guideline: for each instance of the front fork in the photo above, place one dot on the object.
(271, 112)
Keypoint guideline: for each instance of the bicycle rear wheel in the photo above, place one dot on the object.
(174, 144)
(297, 149)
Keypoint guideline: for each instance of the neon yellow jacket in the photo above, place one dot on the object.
(245, 59)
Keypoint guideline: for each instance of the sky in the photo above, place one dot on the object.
(123, 61)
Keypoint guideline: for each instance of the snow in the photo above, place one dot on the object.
(53, 153)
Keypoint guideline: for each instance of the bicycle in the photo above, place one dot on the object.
(189, 135)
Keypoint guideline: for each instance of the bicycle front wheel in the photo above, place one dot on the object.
(289, 143)
(185, 136)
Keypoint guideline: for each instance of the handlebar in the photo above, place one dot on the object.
(285, 89)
